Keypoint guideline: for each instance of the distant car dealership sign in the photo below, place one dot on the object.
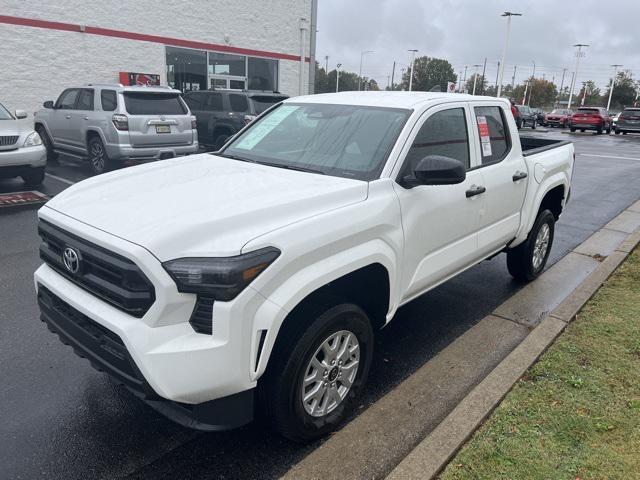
(131, 78)
(451, 87)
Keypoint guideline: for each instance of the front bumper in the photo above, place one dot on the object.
(173, 366)
(142, 154)
(27, 157)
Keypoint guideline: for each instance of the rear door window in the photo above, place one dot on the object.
(214, 102)
(146, 103)
(493, 132)
(67, 99)
(261, 103)
(195, 100)
(109, 100)
(85, 102)
(238, 103)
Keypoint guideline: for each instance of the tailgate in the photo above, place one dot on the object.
(157, 119)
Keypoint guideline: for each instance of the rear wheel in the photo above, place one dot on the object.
(526, 261)
(98, 157)
(582, 130)
(48, 144)
(573, 129)
(34, 178)
(617, 131)
(599, 130)
(315, 374)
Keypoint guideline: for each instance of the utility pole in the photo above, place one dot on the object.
(484, 69)
(533, 79)
(564, 70)
(613, 83)
(497, 75)
(584, 93)
(338, 76)
(393, 72)
(475, 77)
(326, 64)
(460, 82)
(413, 57)
(362, 54)
(526, 87)
(513, 79)
(504, 51)
(464, 80)
(579, 53)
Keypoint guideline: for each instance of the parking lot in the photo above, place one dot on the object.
(65, 420)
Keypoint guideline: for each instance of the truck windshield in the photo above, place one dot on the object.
(153, 103)
(341, 140)
(4, 113)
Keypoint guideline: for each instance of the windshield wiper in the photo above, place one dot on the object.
(234, 157)
(292, 167)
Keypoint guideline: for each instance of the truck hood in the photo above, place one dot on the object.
(202, 205)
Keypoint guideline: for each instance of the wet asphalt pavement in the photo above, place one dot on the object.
(61, 419)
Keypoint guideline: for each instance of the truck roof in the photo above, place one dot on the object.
(388, 99)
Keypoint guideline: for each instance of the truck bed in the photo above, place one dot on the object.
(533, 145)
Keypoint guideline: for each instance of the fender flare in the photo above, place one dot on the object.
(272, 313)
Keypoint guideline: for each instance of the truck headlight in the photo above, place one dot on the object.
(33, 140)
(222, 278)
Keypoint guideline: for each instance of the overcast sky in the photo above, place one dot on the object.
(466, 31)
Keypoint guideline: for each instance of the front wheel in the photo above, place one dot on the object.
(52, 156)
(34, 178)
(526, 261)
(315, 375)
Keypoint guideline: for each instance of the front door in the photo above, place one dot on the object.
(60, 125)
(80, 118)
(505, 178)
(440, 222)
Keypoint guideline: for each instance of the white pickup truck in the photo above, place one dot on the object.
(268, 266)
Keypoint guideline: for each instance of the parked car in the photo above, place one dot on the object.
(267, 266)
(111, 124)
(628, 121)
(558, 117)
(21, 151)
(590, 118)
(220, 114)
(526, 117)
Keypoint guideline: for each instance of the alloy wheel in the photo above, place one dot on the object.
(541, 246)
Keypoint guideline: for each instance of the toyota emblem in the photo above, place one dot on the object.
(71, 260)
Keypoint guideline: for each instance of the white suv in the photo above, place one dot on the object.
(271, 263)
(111, 124)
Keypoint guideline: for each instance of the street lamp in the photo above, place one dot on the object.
(362, 54)
(579, 53)
(506, 46)
(533, 79)
(475, 77)
(613, 82)
(413, 56)
(338, 76)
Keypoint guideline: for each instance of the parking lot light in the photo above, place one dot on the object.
(413, 57)
(613, 83)
(506, 46)
(579, 54)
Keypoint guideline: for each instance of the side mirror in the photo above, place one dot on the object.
(436, 170)
(21, 114)
(48, 104)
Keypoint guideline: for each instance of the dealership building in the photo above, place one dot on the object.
(202, 44)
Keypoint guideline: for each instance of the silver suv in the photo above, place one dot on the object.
(112, 124)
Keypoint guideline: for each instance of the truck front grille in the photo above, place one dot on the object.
(7, 140)
(107, 275)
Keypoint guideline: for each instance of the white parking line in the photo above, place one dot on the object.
(607, 156)
(60, 179)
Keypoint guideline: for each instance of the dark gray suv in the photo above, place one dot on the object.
(220, 114)
(628, 121)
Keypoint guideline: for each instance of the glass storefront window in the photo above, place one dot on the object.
(226, 64)
(263, 74)
(186, 69)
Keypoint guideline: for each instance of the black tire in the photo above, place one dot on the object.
(617, 132)
(99, 160)
(624, 133)
(520, 260)
(582, 130)
(52, 156)
(572, 129)
(34, 178)
(533, 125)
(220, 141)
(608, 130)
(599, 130)
(280, 389)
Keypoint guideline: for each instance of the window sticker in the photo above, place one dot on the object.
(259, 131)
(485, 136)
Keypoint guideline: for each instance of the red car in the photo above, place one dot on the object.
(558, 117)
(591, 118)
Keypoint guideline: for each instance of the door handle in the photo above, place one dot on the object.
(67, 116)
(86, 118)
(475, 190)
(519, 176)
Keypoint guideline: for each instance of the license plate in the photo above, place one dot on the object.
(163, 129)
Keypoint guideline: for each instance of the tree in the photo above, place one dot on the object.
(481, 84)
(429, 73)
(326, 82)
(543, 93)
(624, 91)
(592, 98)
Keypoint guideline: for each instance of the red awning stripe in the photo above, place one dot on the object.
(143, 37)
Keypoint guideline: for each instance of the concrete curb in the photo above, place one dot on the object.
(431, 455)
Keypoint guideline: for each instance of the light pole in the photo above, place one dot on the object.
(533, 79)
(506, 46)
(613, 83)
(362, 54)
(413, 57)
(564, 70)
(338, 76)
(475, 77)
(464, 79)
(575, 74)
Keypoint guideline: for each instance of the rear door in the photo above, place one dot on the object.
(504, 173)
(157, 119)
